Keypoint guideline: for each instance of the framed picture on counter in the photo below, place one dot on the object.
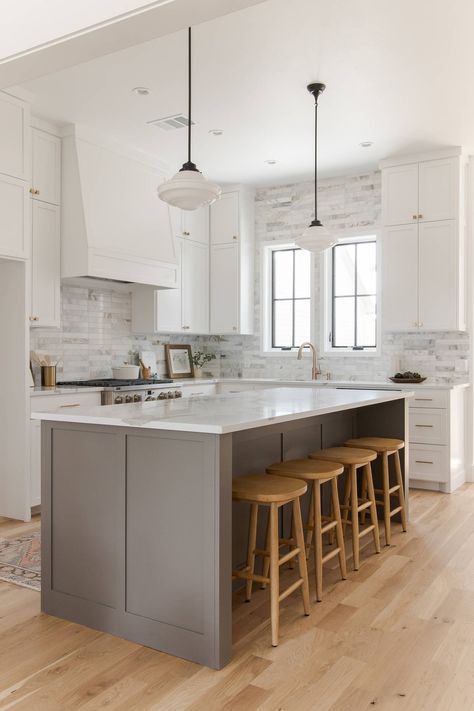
(179, 361)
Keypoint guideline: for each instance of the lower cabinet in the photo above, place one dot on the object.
(45, 266)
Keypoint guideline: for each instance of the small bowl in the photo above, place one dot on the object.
(408, 380)
(126, 372)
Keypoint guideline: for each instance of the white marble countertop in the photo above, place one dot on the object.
(221, 414)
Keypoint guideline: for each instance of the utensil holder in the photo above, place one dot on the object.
(48, 376)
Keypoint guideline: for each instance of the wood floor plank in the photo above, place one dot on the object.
(398, 634)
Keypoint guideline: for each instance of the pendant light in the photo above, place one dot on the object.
(189, 189)
(316, 237)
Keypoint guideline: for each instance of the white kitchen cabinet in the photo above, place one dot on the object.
(423, 285)
(232, 262)
(35, 462)
(192, 224)
(201, 390)
(400, 277)
(181, 310)
(400, 191)
(14, 218)
(45, 266)
(225, 279)
(427, 191)
(46, 167)
(225, 218)
(14, 137)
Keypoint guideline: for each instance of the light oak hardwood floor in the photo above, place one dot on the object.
(398, 634)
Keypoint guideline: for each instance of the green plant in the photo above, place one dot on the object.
(199, 358)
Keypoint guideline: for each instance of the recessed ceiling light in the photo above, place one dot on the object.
(141, 90)
(270, 161)
(366, 144)
(216, 131)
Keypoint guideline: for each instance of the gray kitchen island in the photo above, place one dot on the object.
(139, 533)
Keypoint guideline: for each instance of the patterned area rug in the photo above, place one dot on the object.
(20, 560)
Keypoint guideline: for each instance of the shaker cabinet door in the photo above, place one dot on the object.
(225, 219)
(14, 217)
(400, 278)
(400, 194)
(225, 289)
(195, 275)
(438, 189)
(439, 286)
(46, 180)
(45, 266)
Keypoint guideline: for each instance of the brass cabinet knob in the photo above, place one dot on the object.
(34, 318)
(234, 328)
(415, 217)
(37, 192)
(420, 217)
(186, 234)
(32, 191)
(235, 237)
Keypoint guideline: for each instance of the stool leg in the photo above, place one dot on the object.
(339, 535)
(302, 554)
(274, 574)
(373, 508)
(266, 559)
(401, 491)
(354, 516)
(345, 501)
(252, 543)
(318, 541)
(291, 563)
(310, 527)
(363, 495)
(386, 499)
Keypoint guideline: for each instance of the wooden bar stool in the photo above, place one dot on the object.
(273, 491)
(316, 473)
(386, 447)
(353, 459)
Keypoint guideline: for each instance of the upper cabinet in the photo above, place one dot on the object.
(46, 167)
(421, 192)
(45, 266)
(14, 137)
(191, 224)
(14, 218)
(423, 285)
(225, 218)
(232, 262)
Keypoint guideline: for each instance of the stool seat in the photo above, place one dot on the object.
(266, 489)
(309, 469)
(378, 444)
(345, 455)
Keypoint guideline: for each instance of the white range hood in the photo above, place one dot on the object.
(113, 226)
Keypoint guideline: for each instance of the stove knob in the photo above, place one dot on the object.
(137, 398)
(128, 398)
(178, 393)
(118, 400)
(170, 394)
(149, 397)
(162, 396)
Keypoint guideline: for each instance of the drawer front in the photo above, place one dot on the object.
(198, 390)
(51, 403)
(430, 399)
(428, 426)
(429, 463)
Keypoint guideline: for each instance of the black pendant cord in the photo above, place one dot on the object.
(316, 160)
(189, 165)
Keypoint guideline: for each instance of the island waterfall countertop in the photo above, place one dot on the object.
(222, 414)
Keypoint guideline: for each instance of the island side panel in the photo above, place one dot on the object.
(155, 568)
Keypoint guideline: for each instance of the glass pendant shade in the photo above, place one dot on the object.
(188, 190)
(315, 238)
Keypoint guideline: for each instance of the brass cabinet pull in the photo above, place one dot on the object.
(186, 234)
(423, 461)
(425, 399)
(34, 318)
(424, 425)
(73, 404)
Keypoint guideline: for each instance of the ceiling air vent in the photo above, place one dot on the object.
(171, 123)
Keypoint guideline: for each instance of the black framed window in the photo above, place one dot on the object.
(291, 297)
(354, 295)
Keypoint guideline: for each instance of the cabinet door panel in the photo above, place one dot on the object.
(400, 194)
(35, 462)
(439, 284)
(195, 225)
(14, 203)
(225, 219)
(46, 266)
(195, 275)
(169, 301)
(46, 167)
(438, 189)
(14, 138)
(400, 278)
(225, 289)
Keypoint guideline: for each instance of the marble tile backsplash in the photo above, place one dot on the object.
(95, 331)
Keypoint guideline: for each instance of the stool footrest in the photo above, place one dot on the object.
(329, 526)
(246, 574)
(395, 511)
(288, 556)
(297, 584)
(364, 505)
(331, 554)
(391, 491)
(366, 530)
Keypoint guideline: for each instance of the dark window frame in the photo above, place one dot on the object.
(293, 300)
(355, 295)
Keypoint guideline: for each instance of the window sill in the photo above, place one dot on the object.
(281, 354)
(348, 352)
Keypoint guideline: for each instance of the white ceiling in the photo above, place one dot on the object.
(397, 73)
